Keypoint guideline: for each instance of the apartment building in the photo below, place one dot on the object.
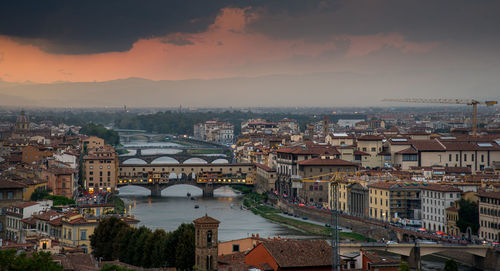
(395, 202)
(100, 169)
(214, 131)
(320, 170)
(16, 213)
(489, 216)
(288, 126)
(436, 199)
(371, 146)
(257, 126)
(475, 154)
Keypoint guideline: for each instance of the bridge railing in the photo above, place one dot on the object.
(127, 181)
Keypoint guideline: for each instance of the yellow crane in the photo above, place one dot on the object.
(472, 102)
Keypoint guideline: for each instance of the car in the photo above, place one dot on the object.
(305, 217)
(392, 242)
(328, 225)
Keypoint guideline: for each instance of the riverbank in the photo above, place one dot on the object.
(254, 203)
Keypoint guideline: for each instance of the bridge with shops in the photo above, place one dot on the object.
(207, 177)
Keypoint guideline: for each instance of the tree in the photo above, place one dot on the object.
(9, 260)
(110, 136)
(468, 216)
(450, 265)
(404, 267)
(104, 238)
(39, 194)
(114, 267)
(184, 249)
(60, 200)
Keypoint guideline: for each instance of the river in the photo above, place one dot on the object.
(174, 208)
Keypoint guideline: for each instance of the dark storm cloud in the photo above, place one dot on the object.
(417, 20)
(93, 26)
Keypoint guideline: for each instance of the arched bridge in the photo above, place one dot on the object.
(176, 158)
(208, 177)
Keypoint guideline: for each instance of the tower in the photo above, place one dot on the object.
(206, 242)
(22, 123)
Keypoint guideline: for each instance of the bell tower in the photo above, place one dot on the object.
(206, 242)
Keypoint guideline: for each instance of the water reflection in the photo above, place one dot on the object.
(174, 208)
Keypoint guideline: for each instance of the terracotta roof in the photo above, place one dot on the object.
(370, 138)
(5, 184)
(299, 253)
(377, 260)
(326, 162)
(440, 188)
(492, 195)
(409, 150)
(427, 145)
(206, 220)
(264, 167)
(47, 215)
(356, 152)
(25, 204)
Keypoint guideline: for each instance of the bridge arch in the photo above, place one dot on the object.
(134, 161)
(220, 161)
(195, 160)
(164, 160)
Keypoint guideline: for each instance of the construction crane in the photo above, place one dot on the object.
(336, 178)
(472, 102)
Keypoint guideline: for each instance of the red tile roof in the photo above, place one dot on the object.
(409, 150)
(264, 167)
(326, 162)
(492, 195)
(206, 220)
(370, 138)
(299, 253)
(440, 188)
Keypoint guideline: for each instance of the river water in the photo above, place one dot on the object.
(174, 208)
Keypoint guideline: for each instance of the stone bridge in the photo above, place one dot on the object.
(157, 187)
(179, 158)
(484, 257)
(208, 177)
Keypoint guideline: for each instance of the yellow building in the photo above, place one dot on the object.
(96, 209)
(451, 221)
(77, 230)
(379, 197)
(371, 145)
(343, 194)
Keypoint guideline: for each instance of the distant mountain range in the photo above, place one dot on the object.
(317, 89)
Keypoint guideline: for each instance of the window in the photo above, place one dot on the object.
(482, 157)
(449, 157)
(465, 157)
(236, 248)
(209, 238)
(456, 157)
(374, 149)
(364, 149)
(69, 234)
(83, 235)
(409, 157)
(10, 195)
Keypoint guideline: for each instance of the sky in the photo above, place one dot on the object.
(447, 48)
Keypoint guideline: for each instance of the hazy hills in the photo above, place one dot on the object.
(318, 89)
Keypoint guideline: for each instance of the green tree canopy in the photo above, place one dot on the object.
(468, 216)
(104, 238)
(110, 137)
(11, 261)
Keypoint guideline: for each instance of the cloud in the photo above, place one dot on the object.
(416, 20)
(96, 26)
(176, 40)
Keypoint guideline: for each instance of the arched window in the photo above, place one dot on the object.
(209, 238)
